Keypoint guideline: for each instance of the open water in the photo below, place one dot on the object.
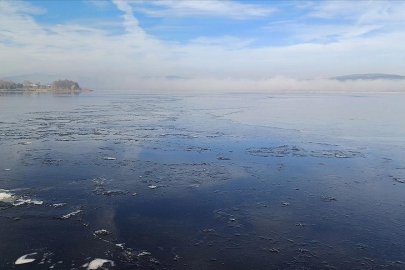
(124, 180)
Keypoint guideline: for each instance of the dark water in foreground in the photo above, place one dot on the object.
(238, 181)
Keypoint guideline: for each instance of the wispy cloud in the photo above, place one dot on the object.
(21, 7)
(360, 12)
(98, 3)
(320, 33)
(220, 8)
(227, 42)
(130, 22)
(341, 9)
(332, 21)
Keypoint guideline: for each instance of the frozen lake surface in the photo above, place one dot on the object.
(117, 180)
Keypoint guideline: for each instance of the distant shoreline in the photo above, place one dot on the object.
(49, 90)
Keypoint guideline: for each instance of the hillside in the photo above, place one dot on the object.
(369, 76)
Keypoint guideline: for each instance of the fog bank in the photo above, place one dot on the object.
(279, 84)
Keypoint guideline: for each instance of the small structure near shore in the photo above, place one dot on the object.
(56, 86)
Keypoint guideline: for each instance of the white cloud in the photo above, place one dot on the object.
(223, 8)
(75, 50)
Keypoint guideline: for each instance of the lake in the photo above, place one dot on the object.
(126, 180)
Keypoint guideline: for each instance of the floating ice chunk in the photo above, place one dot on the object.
(5, 196)
(122, 245)
(194, 186)
(98, 181)
(25, 143)
(71, 214)
(103, 191)
(398, 180)
(102, 232)
(98, 263)
(328, 199)
(154, 260)
(109, 158)
(57, 205)
(24, 260)
(340, 155)
(27, 201)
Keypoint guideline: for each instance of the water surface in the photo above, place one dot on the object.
(225, 181)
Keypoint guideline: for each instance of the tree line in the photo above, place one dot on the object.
(27, 85)
(65, 84)
(10, 85)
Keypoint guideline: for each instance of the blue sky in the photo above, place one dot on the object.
(205, 40)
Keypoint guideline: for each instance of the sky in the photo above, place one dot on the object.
(207, 45)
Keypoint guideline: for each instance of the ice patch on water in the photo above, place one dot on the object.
(26, 202)
(277, 151)
(6, 196)
(295, 151)
(103, 191)
(98, 263)
(24, 260)
(26, 143)
(57, 205)
(72, 214)
(122, 245)
(99, 181)
(102, 232)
